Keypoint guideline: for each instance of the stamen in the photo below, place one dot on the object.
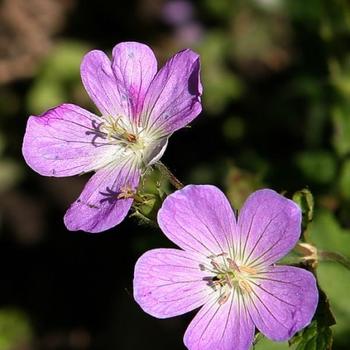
(126, 192)
(244, 285)
(217, 255)
(224, 297)
(229, 275)
(131, 138)
(249, 270)
(115, 129)
(216, 265)
(232, 264)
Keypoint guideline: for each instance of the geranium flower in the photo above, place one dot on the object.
(228, 266)
(140, 109)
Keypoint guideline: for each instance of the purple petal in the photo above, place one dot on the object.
(64, 141)
(169, 282)
(134, 66)
(283, 301)
(173, 98)
(101, 85)
(102, 204)
(221, 327)
(198, 218)
(269, 226)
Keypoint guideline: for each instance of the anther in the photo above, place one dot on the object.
(248, 269)
(125, 193)
(245, 286)
(224, 297)
(232, 265)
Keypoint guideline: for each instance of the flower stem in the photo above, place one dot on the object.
(333, 256)
(170, 176)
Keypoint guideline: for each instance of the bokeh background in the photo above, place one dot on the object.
(276, 77)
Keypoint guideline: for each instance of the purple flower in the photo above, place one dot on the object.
(140, 109)
(227, 265)
(177, 12)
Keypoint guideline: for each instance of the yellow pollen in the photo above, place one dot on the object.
(131, 138)
(245, 286)
(115, 130)
(249, 270)
(229, 276)
(126, 192)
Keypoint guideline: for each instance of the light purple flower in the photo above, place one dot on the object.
(177, 12)
(227, 265)
(140, 109)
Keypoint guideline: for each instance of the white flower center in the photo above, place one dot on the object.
(143, 145)
(229, 276)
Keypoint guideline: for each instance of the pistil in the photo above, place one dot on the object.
(229, 276)
(115, 130)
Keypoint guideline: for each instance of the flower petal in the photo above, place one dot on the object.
(198, 218)
(269, 226)
(169, 282)
(221, 327)
(283, 301)
(102, 205)
(173, 98)
(134, 66)
(101, 85)
(64, 141)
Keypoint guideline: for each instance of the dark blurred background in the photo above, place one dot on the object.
(276, 76)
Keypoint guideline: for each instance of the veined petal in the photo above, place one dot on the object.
(101, 85)
(134, 66)
(269, 226)
(198, 218)
(169, 282)
(221, 327)
(173, 98)
(283, 301)
(65, 141)
(106, 198)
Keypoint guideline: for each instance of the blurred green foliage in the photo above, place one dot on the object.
(15, 330)
(59, 77)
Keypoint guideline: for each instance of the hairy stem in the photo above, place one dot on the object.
(170, 176)
(333, 256)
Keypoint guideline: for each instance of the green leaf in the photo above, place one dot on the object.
(317, 166)
(344, 180)
(305, 200)
(263, 343)
(316, 338)
(149, 197)
(335, 281)
(328, 235)
(341, 134)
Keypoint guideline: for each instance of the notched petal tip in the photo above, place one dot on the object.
(134, 66)
(131, 49)
(269, 225)
(198, 218)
